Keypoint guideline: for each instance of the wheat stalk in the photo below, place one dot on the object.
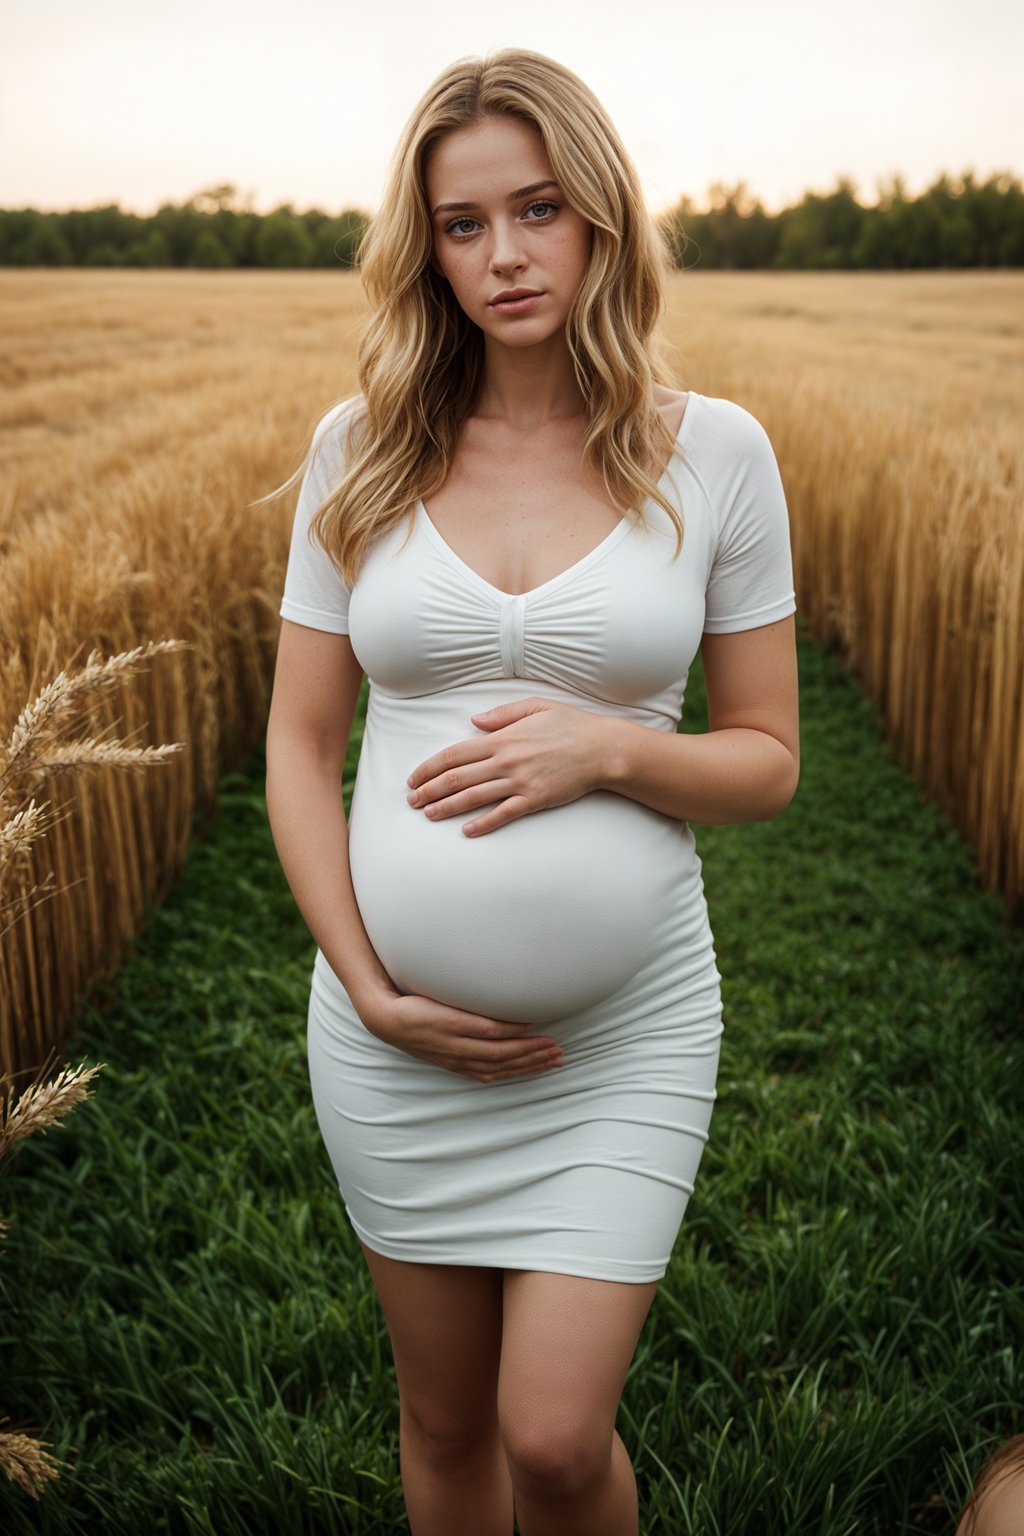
(35, 754)
(41, 721)
(43, 1104)
(25, 1461)
(19, 833)
(80, 754)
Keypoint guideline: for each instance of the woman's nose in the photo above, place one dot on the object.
(506, 246)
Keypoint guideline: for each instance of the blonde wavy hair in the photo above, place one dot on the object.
(420, 359)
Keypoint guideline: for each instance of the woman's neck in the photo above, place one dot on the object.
(528, 387)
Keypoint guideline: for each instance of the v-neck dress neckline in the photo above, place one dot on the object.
(607, 544)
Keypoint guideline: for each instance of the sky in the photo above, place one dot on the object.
(302, 101)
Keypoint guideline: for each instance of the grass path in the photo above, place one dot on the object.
(185, 1313)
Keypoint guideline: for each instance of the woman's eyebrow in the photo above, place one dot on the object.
(537, 186)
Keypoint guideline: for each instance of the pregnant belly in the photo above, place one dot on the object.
(538, 919)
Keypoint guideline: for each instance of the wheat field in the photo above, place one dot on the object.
(142, 413)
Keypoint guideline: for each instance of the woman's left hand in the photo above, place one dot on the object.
(535, 754)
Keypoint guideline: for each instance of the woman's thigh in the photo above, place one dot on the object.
(568, 1343)
(445, 1323)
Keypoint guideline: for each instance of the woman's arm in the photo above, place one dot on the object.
(316, 689)
(746, 766)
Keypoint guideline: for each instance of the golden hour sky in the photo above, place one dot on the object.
(302, 101)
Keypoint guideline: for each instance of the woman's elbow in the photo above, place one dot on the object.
(784, 784)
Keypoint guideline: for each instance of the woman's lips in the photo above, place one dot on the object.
(517, 306)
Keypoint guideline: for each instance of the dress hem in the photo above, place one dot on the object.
(573, 1267)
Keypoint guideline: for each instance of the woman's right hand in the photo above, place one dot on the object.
(471, 1044)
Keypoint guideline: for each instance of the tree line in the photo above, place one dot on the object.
(953, 223)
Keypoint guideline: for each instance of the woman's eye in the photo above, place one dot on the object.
(453, 228)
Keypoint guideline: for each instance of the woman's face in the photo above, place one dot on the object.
(495, 241)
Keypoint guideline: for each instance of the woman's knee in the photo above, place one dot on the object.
(556, 1457)
(447, 1440)
(444, 1324)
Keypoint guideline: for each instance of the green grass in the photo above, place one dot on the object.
(837, 1344)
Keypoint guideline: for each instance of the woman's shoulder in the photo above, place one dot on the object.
(728, 416)
(728, 454)
(330, 434)
(723, 436)
(336, 416)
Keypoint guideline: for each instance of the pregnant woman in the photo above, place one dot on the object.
(521, 533)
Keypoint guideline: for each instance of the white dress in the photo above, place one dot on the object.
(587, 918)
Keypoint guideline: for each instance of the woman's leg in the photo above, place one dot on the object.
(567, 1346)
(445, 1322)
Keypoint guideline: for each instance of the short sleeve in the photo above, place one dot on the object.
(751, 577)
(314, 592)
